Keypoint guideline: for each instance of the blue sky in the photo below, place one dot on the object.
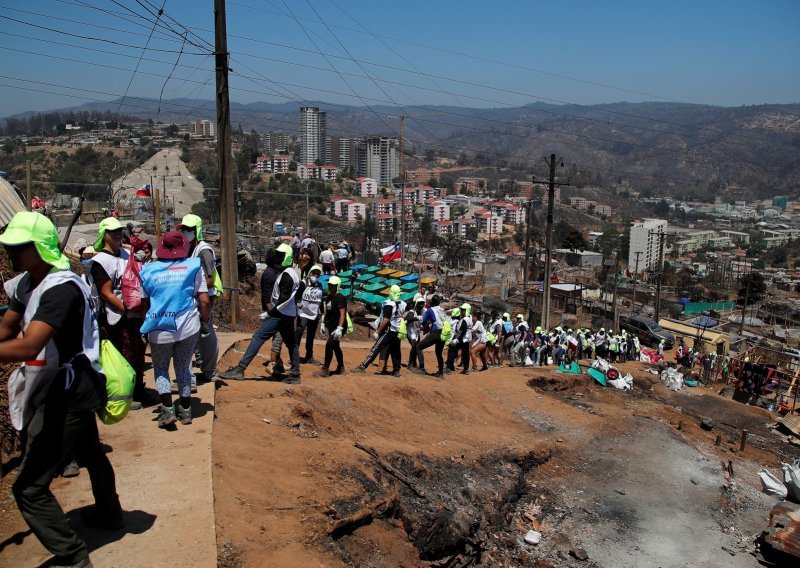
(514, 52)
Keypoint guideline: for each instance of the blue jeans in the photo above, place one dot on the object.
(267, 330)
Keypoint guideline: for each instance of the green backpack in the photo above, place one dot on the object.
(350, 328)
(120, 378)
(402, 330)
(447, 332)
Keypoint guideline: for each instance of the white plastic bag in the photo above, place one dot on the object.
(672, 378)
(601, 364)
(771, 485)
(528, 361)
(622, 383)
(791, 476)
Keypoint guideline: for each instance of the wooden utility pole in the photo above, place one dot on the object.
(29, 187)
(614, 310)
(660, 272)
(635, 280)
(227, 218)
(526, 272)
(548, 239)
(402, 198)
(156, 208)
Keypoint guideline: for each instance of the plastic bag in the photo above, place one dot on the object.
(120, 378)
(622, 383)
(791, 477)
(771, 485)
(601, 364)
(528, 361)
(131, 285)
(672, 378)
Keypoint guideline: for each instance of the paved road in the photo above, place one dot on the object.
(165, 169)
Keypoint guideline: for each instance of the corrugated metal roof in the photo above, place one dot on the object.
(10, 202)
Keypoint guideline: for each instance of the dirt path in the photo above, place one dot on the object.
(461, 465)
(164, 483)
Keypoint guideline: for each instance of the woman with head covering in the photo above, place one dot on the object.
(335, 320)
(56, 393)
(175, 292)
(117, 323)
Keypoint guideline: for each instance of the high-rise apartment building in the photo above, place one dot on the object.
(341, 152)
(645, 240)
(313, 135)
(379, 159)
(276, 142)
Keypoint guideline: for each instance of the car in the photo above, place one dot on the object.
(649, 332)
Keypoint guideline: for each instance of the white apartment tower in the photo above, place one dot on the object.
(379, 159)
(313, 134)
(645, 239)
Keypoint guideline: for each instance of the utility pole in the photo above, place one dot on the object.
(552, 163)
(28, 186)
(308, 223)
(402, 198)
(156, 208)
(227, 220)
(744, 308)
(660, 272)
(614, 311)
(526, 272)
(635, 280)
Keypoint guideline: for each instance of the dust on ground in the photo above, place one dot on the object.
(366, 470)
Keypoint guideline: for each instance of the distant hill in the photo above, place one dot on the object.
(682, 150)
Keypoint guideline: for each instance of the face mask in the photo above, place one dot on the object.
(189, 235)
(313, 279)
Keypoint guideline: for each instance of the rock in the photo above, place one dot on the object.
(266, 421)
(620, 491)
(729, 550)
(707, 424)
(579, 553)
(533, 537)
(694, 481)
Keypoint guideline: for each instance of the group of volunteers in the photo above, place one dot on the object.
(54, 325)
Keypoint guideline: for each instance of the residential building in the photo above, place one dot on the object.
(264, 164)
(328, 173)
(275, 142)
(471, 185)
(645, 239)
(354, 211)
(579, 203)
(410, 194)
(437, 210)
(426, 192)
(313, 130)
(366, 187)
(578, 257)
(337, 206)
(308, 171)
(461, 225)
(383, 206)
(421, 176)
(443, 228)
(341, 151)
(489, 223)
(515, 215)
(273, 164)
(384, 222)
(737, 237)
(378, 158)
(204, 128)
(778, 237)
(603, 210)
(407, 208)
(592, 238)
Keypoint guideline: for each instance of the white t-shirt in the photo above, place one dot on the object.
(478, 333)
(187, 322)
(326, 257)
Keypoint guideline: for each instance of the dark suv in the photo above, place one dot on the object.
(649, 332)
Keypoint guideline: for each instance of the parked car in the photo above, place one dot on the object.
(649, 332)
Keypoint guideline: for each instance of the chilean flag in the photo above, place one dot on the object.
(392, 252)
(143, 191)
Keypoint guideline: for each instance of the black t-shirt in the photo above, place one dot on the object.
(99, 274)
(62, 307)
(332, 307)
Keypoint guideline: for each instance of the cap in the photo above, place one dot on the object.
(286, 249)
(506, 315)
(520, 317)
(193, 222)
(318, 268)
(467, 308)
(456, 312)
(173, 245)
(30, 227)
(419, 298)
(107, 224)
(334, 281)
(394, 292)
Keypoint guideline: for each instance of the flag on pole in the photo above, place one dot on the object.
(392, 252)
(143, 191)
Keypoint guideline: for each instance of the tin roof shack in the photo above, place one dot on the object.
(568, 303)
(579, 257)
(710, 340)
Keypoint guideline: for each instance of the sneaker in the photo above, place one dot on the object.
(465, 372)
(395, 373)
(136, 405)
(234, 373)
(184, 414)
(71, 470)
(436, 375)
(166, 417)
(418, 370)
(278, 368)
(291, 380)
(310, 361)
(359, 369)
(323, 372)
(61, 562)
(338, 371)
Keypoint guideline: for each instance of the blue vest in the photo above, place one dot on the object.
(170, 286)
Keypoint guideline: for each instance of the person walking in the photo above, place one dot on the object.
(282, 310)
(208, 346)
(309, 311)
(327, 258)
(386, 334)
(433, 320)
(117, 324)
(335, 319)
(462, 338)
(50, 326)
(477, 349)
(413, 319)
(521, 341)
(495, 351)
(175, 292)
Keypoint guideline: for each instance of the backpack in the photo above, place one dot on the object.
(119, 383)
(447, 332)
(350, 328)
(402, 330)
(218, 283)
(490, 338)
(508, 327)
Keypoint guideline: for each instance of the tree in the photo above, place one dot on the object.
(752, 289)
(172, 130)
(662, 209)
(456, 252)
